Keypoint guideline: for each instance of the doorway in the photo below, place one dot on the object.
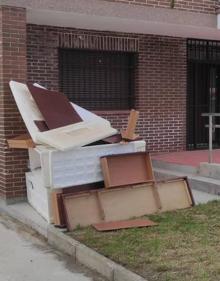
(203, 92)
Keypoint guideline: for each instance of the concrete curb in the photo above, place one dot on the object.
(80, 253)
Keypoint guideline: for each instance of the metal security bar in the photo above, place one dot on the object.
(98, 42)
(212, 128)
(98, 80)
(203, 50)
(203, 91)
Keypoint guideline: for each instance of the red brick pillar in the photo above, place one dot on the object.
(13, 65)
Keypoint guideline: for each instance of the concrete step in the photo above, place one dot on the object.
(174, 167)
(210, 170)
(197, 182)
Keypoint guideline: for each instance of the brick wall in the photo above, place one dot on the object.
(13, 163)
(200, 6)
(160, 83)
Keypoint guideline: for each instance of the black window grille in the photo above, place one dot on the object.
(203, 50)
(98, 80)
(203, 91)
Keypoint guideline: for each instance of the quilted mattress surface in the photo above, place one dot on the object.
(81, 165)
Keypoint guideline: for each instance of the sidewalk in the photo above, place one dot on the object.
(26, 257)
(24, 213)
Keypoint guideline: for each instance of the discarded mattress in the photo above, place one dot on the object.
(75, 135)
(38, 196)
(78, 166)
(30, 112)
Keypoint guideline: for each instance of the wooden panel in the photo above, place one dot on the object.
(55, 107)
(129, 133)
(22, 142)
(174, 195)
(113, 139)
(82, 210)
(127, 169)
(58, 208)
(111, 205)
(88, 208)
(128, 202)
(41, 125)
(108, 226)
(83, 188)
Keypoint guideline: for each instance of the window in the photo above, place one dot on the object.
(97, 80)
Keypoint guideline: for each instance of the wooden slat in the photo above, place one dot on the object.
(57, 208)
(129, 133)
(22, 142)
(109, 226)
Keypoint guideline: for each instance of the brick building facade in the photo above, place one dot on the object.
(200, 6)
(31, 36)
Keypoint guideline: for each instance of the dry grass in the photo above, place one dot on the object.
(184, 247)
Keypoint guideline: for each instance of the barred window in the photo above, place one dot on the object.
(98, 80)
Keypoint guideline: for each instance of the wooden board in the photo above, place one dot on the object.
(82, 209)
(128, 202)
(22, 142)
(129, 133)
(175, 194)
(127, 169)
(55, 107)
(58, 208)
(59, 218)
(111, 205)
(109, 226)
(41, 125)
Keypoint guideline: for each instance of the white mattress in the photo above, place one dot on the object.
(30, 112)
(76, 135)
(38, 196)
(79, 166)
(27, 107)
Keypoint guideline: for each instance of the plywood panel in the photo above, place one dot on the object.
(42, 125)
(81, 210)
(55, 107)
(111, 205)
(129, 133)
(58, 208)
(108, 226)
(127, 169)
(129, 202)
(174, 195)
(22, 142)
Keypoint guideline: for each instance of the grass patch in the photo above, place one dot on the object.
(184, 247)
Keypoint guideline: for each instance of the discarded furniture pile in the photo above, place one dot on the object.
(84, 172)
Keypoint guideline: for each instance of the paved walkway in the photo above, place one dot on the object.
(188, 158)
(26, 257)
(203, 197)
